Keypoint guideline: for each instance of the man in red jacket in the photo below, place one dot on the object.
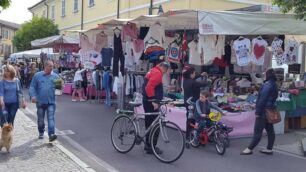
(153, 89)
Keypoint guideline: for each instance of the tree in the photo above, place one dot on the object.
(298, 7)
(5, 3)
(34, 29)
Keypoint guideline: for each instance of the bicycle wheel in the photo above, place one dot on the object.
(226, 139)
(220, 143)
(194, 141)
(123, 134)
(170, 140)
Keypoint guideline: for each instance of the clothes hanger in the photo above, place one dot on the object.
(102, 33)
(240, 38)
(259, 37)
(116, 28)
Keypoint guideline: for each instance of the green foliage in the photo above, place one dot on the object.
(35, 29)
(5, 3)
(298, 7)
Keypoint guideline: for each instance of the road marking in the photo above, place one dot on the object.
(77, 146)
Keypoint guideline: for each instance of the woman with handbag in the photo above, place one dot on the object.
(11, 97)
(265, 107)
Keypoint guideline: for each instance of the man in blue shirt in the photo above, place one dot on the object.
(42, 92)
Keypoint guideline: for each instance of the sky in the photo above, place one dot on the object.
(18, 11)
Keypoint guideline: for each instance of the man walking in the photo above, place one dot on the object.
(153, 89)
(42, 92)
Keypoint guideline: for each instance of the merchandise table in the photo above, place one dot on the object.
(242, 122)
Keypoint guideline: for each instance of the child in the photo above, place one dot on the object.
(202, 110)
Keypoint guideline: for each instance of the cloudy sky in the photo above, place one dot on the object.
(18, 11)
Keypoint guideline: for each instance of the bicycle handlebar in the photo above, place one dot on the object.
(163, 101)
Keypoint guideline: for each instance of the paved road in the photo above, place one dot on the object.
(91, 124)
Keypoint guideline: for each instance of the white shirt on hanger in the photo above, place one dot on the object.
(242, 51)
(259, 46)
(194, 55)
(278, 51)
(292, 51)
(157, 32)
(212, 46)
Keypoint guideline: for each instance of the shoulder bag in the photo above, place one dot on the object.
(273, 115)
(19, 94)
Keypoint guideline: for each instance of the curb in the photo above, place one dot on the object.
(64, 150)
(303, 142)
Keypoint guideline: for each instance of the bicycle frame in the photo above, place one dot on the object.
(159, 119)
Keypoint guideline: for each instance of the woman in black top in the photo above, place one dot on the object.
(192, 89)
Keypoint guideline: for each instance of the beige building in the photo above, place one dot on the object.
(7, 31)
(87, 14)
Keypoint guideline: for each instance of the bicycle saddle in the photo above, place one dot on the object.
(135, 104)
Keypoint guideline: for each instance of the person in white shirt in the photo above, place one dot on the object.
(78, 92)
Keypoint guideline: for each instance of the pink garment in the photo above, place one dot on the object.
(138, 45)
(130, 29)
(84, 42)
(101, 42)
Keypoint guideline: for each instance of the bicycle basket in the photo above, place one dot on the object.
(215, 116)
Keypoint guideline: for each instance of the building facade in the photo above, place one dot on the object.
(7, 31)
(87, 14)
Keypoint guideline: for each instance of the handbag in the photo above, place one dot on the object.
(273, 115)
(19, 94)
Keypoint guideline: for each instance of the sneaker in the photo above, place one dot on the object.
(246, 151)
(41, 136)
(266, 151)
(82, 100)
(52, 137)
(74, 100)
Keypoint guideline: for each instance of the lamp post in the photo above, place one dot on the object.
(151, 8)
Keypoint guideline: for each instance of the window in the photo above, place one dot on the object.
(76, 6)
(63, 8)
(91, 3)
(53, 12)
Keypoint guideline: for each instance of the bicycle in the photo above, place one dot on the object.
(215, 132)
(168, 133)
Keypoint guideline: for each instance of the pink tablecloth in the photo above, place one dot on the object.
(243, 122)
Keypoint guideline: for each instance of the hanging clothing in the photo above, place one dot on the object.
(259, 46)
(85, 43)
(174, 52)
(138, 48)
(107, 56)
(227, 54)
(194, 55)
(118, 55)
(211, 46)
(242, 50)
(278, 51)
(101, 42)
(130, 61)
(157, 32)
(291, 51)
(129, 30)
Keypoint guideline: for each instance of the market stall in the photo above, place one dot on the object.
(241, 50)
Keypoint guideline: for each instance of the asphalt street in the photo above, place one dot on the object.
(89, 139)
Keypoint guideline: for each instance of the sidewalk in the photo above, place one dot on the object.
(28, 153)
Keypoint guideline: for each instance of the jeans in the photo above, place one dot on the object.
(188, 124)
(11, 109)
(260, 124)
(108, 97)
(41, 111)
(148, 107)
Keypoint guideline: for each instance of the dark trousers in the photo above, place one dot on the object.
(261, 123)
(11, 109)
(148, 107)
(116, 60)
(188, 124)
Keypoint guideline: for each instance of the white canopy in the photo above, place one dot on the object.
(32, 54)
(249, 23)
(52, 40)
